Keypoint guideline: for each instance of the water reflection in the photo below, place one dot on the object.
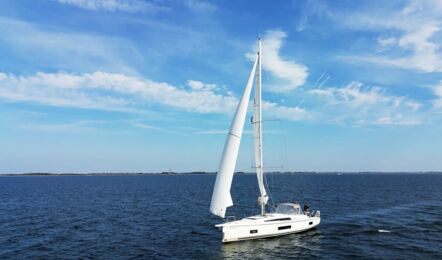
(289, 246)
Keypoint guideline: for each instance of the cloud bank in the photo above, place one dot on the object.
(131, 6)
(61, 50)
(119, 92)
(413, 31)
(369, 105)
(437, 103)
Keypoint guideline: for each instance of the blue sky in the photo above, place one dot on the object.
(148, 86)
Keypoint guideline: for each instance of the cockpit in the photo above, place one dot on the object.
(288, 208)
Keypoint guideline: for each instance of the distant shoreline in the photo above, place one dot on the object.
(203, 173)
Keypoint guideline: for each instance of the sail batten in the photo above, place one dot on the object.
(221, 198)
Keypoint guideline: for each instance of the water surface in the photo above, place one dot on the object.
(380, 216)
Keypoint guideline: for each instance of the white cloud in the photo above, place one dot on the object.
(82, 126)
(437, 103)
(284, 112)
(370, 105)
(67, 50)
(212, 132)
(416, 28)
(414, 106)
(151, 127)
(137, 6)
(425, 56)
(396, 120)
(353, 95)
(198, 85)
(430, 7)
(199, 5)
(119, 92)
(131, 6)
(291, 73)
(43, 88)
(103, 90)
(387, 41)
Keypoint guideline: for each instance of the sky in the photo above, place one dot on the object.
(151, 86)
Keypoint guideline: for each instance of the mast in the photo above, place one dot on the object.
(257, 134)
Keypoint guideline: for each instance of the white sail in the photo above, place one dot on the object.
(257, 135)
(221, 198)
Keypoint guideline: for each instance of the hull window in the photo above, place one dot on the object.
(253, 231)
(310, 223)
(278, 219)
(284, 227)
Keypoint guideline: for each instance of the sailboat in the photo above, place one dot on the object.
(286, 218)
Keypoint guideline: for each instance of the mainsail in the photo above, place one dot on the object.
(221, 198)
(257, 135)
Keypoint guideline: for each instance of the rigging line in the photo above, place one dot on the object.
(270, 184)
(252, 142)
(266, 185)
(284, 143)
(284, 158)
(269, 193)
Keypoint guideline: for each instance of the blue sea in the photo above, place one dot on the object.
(370, 216)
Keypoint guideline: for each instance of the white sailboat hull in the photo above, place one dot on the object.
(270, 225)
